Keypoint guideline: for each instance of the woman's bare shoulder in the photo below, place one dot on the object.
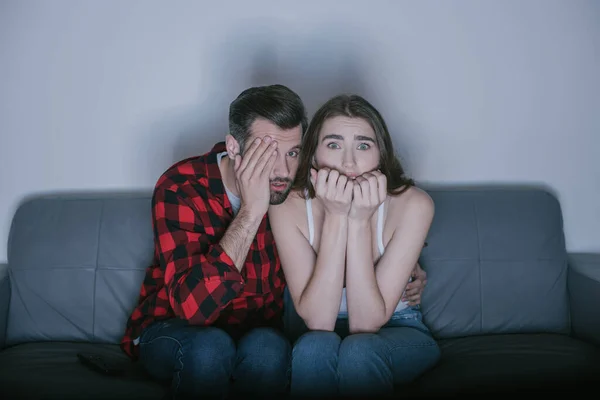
(413, 200)
(290, 208)
(289, 215)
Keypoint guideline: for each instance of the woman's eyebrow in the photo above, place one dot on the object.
(332, 136)
(364, 138)
(340, 137)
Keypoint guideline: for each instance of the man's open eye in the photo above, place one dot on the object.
(293, 153)
(364, 146)
(333, 145)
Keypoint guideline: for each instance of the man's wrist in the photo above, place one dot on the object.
(249, 218)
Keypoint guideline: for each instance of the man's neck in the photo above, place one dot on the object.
(228, 175)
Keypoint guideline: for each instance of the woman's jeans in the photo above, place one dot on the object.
(326, 364)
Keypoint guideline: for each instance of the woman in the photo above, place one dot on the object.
(348, 238)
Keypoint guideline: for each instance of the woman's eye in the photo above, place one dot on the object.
(363, 146)
(333, 145)
(293, 153)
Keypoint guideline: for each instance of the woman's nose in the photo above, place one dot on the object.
(348, 160)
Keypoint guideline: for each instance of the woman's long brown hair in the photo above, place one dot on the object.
(352, 106)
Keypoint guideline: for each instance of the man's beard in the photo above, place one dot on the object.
(279, 197)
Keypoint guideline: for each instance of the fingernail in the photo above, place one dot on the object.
(267, 139)
(257, 140)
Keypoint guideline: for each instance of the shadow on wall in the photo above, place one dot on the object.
(317, 65)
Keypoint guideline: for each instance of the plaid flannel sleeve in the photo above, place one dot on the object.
(200, 278)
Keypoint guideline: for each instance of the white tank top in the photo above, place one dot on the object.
(311, 234)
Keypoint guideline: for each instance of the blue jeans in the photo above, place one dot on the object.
(328, 364)
(208, 362)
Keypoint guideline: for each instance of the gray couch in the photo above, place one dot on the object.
(510, 308)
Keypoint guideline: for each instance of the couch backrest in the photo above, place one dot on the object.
(76, 265)
(496, 262)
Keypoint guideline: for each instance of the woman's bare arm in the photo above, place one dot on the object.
(374, 291)
(314, 282)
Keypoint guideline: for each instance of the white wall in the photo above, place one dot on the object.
(104, 95)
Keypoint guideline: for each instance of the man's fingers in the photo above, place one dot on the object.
(253, 146)
(412, 284)
(249, 157)
(237, 161)
(265, 158)
(266, 172)
(411, 297)
(261, 155)
(258, 154)
(414, 297)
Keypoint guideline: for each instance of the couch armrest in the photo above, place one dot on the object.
(584, 294)
(4, 300)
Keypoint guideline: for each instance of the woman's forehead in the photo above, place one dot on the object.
(349, 127)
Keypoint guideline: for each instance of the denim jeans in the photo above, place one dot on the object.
(209, 362)
(329, 364)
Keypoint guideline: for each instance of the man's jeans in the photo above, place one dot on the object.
(336, 363)
(207, 362)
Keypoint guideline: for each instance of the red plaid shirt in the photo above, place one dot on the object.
(192, 278)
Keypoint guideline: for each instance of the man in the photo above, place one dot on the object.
(209, 316)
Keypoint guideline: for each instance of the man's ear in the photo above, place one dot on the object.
(232, 146)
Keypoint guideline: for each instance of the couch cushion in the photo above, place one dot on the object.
(76, 266)
(496, 263)
(511, 362)
(52, 371)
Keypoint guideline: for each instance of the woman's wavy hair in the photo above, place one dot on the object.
(353, 106)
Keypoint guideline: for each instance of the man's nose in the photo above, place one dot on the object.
(280, 169)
